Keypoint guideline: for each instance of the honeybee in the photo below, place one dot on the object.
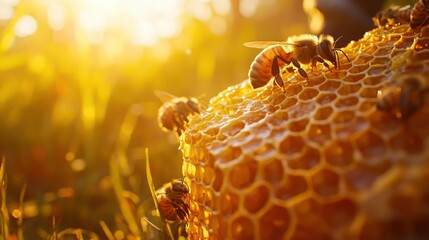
(392, 16)
(302, 49)
(172, 199)
(404, 96)
(419, 14)
(173, 114)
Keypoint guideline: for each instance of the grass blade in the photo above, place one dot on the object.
(166, 226)
(106, 230)
(123, 204)
(20, 234)
(4, 213)
(150, 180)
(77, 233)
(150, 223)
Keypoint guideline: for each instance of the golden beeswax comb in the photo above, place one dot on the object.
(318, 160)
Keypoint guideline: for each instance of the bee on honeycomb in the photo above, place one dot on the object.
(404, 95)
(317, 160)
(172, 201)
(393, 15)
(173, 114)
(302, 49)
(416, 16)
(419, 15)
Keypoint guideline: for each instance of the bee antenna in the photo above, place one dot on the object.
(335, 42)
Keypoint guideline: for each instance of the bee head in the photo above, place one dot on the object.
(193, 104)
(327, 50)
(180, 186)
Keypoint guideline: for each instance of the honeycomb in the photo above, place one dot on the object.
(318, 160)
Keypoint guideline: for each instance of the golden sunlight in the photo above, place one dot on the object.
(25, 26)
(143, 22)
(139, 22)
(79, 113)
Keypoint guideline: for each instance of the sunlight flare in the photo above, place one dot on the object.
(145, 22)
(25, 26)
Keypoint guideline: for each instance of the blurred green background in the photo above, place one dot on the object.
(76, 91)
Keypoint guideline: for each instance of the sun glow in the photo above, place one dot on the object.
(139, 22)
(143, 22)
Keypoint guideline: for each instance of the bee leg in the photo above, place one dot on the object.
(180, 125)
(320, 59)
(181, 214)
(279, 81)
(178, 121)
(275, 71)
(337, 59)
(298, 66)
(181, 209)
(178, 132)
(185, 207)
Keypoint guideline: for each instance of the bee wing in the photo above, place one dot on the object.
(265, 44)
(164, 96)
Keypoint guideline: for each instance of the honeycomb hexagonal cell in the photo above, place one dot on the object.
(274, 223)
(317, 159)
(292, 186)
(256, 199)
(325, 182)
